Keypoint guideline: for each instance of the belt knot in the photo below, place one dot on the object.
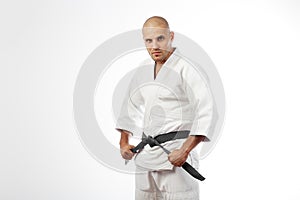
(149, 140)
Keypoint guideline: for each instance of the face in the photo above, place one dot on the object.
(158, 42)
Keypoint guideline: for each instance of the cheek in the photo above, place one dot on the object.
(169, 44)
(149, 50)
(166, 45)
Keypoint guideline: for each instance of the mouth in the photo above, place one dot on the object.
(156, 53)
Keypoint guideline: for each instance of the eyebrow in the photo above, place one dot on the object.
(160, 36)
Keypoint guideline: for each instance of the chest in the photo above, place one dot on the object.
(167, 85)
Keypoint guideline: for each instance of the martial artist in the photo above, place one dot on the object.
(167, 95)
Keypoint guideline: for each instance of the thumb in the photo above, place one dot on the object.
(131, 147)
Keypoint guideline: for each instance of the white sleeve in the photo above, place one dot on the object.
(201, 101)
(131, 117)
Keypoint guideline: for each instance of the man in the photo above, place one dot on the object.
(165, 95)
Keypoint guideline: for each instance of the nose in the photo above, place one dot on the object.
(155, 45)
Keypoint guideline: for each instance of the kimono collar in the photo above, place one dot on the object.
(173, 58)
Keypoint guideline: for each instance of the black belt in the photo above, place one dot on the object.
(158, 140)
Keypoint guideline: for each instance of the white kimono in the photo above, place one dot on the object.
(178, 98)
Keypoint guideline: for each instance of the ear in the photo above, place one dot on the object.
(172, 35)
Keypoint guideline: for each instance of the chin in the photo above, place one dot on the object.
(156, 59)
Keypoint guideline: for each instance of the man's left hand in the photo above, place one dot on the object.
(178, 157)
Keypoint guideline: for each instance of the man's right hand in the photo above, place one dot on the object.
(125, 147)
(126, 153)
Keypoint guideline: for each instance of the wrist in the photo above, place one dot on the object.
(123, 143)
(185, 150)
(124, 140)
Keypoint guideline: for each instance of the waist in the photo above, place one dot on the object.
(171, 136)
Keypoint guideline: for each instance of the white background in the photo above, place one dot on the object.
(255, 46)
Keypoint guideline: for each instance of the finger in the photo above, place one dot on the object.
(178, 162)
(128, 154)
(127, 157)
(124, 154)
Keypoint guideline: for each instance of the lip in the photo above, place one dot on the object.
(156, 52)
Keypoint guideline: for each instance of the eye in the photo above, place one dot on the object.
(160, 38)
(148, 40)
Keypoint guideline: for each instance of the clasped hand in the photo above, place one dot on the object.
(126, 153)
(178, 157)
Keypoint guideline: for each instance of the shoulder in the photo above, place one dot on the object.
(147, 61)
(191, 68)
(143, 73)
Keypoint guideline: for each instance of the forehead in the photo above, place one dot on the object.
(153, 32)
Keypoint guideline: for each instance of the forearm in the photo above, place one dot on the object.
(124, 140)
(191, 142)
(179, 156)
(125, 146)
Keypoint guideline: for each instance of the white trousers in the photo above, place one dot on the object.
(174, 184)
